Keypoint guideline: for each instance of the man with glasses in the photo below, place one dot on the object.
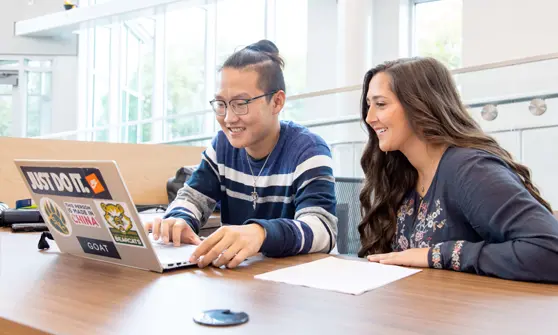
(274, 179)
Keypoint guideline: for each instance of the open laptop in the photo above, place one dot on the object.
(90, 213)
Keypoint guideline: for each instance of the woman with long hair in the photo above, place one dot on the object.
(441, 193)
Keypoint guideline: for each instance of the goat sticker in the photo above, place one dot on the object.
(98, 247)
(116, 217)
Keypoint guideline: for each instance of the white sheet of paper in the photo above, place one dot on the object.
(339, 275)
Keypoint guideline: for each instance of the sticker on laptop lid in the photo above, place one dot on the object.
(67, 182)
(82, 214)
(55, 217)
(118, 221)
(98, 247)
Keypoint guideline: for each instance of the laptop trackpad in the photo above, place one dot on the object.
(168, 253)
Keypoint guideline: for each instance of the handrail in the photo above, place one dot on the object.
(295, 97)
(506, 100)
(506, 63)
(548, 126)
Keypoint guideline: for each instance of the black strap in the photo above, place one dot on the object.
(43, 243)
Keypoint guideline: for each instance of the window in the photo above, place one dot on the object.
(291, 27)
(438, 30)
(5, 110)
(186, 72)
(130, 90)
(38, 103)
(8, 63)
(25, 96)
(137, 79)
(38, 64)
(146, 69)
(101, 73)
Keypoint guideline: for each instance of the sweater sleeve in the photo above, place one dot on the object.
(197, 199)
(314, 227)
(520, 236)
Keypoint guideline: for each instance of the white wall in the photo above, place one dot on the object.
(498, 30)
(63, 52)
(495, 30)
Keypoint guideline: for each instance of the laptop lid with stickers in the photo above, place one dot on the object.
(89, 211)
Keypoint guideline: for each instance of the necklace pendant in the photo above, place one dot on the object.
(254, 199)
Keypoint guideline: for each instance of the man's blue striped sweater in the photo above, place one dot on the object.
(296, 193)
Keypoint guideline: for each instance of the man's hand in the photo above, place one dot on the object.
(416, 257)
(229, 246)
(173, 229)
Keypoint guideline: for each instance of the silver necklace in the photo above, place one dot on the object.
(254, 192)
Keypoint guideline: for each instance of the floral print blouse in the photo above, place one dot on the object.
(477, 216)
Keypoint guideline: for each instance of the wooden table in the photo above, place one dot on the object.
(45, 292)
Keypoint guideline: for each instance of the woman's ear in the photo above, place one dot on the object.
(278, 101)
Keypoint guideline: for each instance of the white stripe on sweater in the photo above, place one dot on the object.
(308, 181)
(189, 206)
(261, 200)
(299, 226)
(275, 179)
(211, 154)
(321, 236)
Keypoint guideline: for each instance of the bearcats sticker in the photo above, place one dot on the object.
(55, 216)
(98, 247)
(118, 221)
(82, 214)
(68, 182)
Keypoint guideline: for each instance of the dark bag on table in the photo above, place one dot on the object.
(177, 182)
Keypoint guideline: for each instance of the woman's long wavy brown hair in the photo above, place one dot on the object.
(427, 93)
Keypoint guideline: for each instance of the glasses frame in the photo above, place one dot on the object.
(245, 101)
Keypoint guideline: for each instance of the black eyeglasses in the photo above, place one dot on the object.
(238, 106)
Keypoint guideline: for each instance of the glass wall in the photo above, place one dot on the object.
(39, 106)
(5, 110)
(150, 79)
(291, 35)
(100, 81)
(186, 72)
(25, 96)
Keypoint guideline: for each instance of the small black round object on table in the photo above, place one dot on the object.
(221, 317)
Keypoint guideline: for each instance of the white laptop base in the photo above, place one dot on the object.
(171, 256)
